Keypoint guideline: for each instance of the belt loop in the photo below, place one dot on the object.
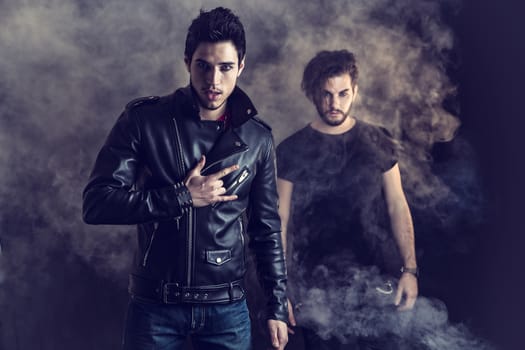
(165, 292)
(160, 290)
(230, 291)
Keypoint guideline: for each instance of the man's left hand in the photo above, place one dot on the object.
(278, 334)
(407, 288)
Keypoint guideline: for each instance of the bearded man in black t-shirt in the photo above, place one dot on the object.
(340, 197)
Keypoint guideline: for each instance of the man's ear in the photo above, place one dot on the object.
(187, 61)
(355, 90)
(241, 67)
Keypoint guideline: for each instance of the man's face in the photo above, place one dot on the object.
(334, 99)
(214, 69)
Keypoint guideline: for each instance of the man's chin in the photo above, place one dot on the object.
(211, 106)
(334, 121)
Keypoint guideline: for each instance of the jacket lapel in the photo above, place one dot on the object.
(228, 144)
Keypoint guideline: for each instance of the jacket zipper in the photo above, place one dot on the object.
(190, 246)
(242, 242)
(145, 260)
(239, 180)
(236, 183)
(189, 224)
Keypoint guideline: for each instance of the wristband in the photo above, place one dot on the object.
(412, 270)
(183, 196)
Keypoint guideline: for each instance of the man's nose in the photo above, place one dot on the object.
(334, 103)
(214, 76)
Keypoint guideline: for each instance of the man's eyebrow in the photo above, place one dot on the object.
(227, 63)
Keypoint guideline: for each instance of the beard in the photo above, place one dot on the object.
(334, 120)
(210, 106)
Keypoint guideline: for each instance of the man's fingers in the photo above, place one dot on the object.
(196, 171)
(212, 186)
(218, 191)
(408, 304)
(225, 198)
(411, 300)
(282, 336)
(273, 335)
(291, 316)
(406, 288)
(200, 165)
(399, 295)
(222, 173)
(278, 334)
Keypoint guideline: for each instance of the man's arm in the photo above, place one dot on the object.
(109, 197)
(285, 190)
(266, 243)
(403, 230)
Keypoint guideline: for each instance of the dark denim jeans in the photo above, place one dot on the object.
(152, 325)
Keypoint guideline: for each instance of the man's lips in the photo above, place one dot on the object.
(212, 95)
(334, 112)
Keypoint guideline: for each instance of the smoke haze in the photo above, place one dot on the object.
(69, 67)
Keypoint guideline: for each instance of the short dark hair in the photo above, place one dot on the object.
(325, 65)
(219, 24)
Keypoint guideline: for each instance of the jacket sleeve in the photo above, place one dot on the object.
(110, 197)
(265, 235)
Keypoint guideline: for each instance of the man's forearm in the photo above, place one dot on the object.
(106, 205)
(403, 230)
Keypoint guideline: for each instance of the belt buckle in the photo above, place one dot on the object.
(166, 294)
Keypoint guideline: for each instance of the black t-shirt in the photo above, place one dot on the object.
(338, 213)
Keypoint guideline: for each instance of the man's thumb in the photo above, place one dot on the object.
(200, 165)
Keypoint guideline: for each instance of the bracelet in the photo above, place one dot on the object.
(183, 196)
(412, 270)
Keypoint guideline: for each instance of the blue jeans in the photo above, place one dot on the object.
(154, 326)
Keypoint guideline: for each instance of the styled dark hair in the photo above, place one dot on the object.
(219, 24)
(325, 65)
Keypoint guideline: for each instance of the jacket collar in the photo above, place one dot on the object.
(239, 104)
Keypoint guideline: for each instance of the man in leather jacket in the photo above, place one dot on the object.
(195, 170)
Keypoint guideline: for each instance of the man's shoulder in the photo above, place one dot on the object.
(298, 138)
(258, 128)
(142, 101)
(373, 132)
(258, 121)
(149, 107)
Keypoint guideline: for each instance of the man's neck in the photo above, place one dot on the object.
(212, 114)
(324, 128)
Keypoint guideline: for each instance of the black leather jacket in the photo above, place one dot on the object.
(138, 179)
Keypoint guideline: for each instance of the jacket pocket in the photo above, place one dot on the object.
(218, 257)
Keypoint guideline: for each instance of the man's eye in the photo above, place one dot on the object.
(203, 66)
(226, 68)
(343, 94)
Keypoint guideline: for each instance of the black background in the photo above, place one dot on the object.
(490, 290)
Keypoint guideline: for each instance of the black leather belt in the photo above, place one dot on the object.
(173, 293)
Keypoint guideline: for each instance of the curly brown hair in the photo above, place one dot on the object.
(325, 65)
